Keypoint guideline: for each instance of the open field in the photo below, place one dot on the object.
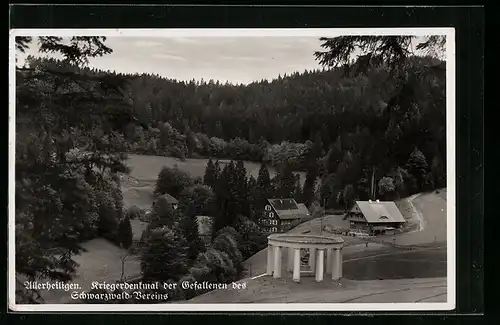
(141, 196)
(145, 169)
(101, 262)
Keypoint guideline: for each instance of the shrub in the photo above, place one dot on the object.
(108, 219)
(134, 212)
(172, 181)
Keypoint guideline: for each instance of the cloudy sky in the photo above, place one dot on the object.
(233, 59)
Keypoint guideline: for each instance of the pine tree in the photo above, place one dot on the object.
(297, 194)
(285, 182)
(251, 197)
(125, 235)
(241, 191)
(264, 188)
(210, 177)
(217, 172)
(310, 185)
(417, 166)
(334, 156)
(164, 256)
(222, 199)
(189, 226)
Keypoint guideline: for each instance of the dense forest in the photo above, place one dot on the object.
(373, 127)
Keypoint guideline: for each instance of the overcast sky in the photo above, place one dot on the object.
(233, 59)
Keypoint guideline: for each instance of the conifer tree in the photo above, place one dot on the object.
(264, 188)
(210, 176)
(285, 182)
(310, 185)
(125, 235)
(417, 166)
(297, 194)
(164, 256)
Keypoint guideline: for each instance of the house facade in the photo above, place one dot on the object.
(375, 217)
(279, 214)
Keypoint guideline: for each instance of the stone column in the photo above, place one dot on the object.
(312, 258)
(336, 268)
(296, 265)
(289, 257)
(319, 265)
(329, 260)
(270, 260)
(277, 262)
(340, 262)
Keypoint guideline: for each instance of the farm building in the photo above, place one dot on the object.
(375, 217)
(169, 199)
(279, 214)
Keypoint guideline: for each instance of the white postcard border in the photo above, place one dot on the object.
(272, 307)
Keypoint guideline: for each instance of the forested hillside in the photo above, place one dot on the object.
(347, 121)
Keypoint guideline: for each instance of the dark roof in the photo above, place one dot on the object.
(303, 208)
(383, 212)
(283, 204)
(287, 208)
(170, 198)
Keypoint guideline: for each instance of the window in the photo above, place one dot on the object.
(271, 214)
(274, 229)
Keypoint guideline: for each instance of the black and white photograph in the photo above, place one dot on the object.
(232, 169)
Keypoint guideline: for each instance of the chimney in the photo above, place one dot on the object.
(378, 201)
(369, 201)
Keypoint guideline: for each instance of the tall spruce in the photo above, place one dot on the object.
(210, 177)
(264, 189)
(241, 193)
(125, 235)
(297, 193)
(310, 185)
(418, 167)
(188, 224)
(285, 182)
(164, 256)
(251, 197)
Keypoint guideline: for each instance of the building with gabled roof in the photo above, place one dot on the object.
(375, 217)
(279, 214)
(169, 199)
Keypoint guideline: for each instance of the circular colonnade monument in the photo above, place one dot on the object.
(319, 247)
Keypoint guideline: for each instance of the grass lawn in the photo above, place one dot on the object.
(100, 262)
(141, 196)
(138, 227)
(147, 168)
